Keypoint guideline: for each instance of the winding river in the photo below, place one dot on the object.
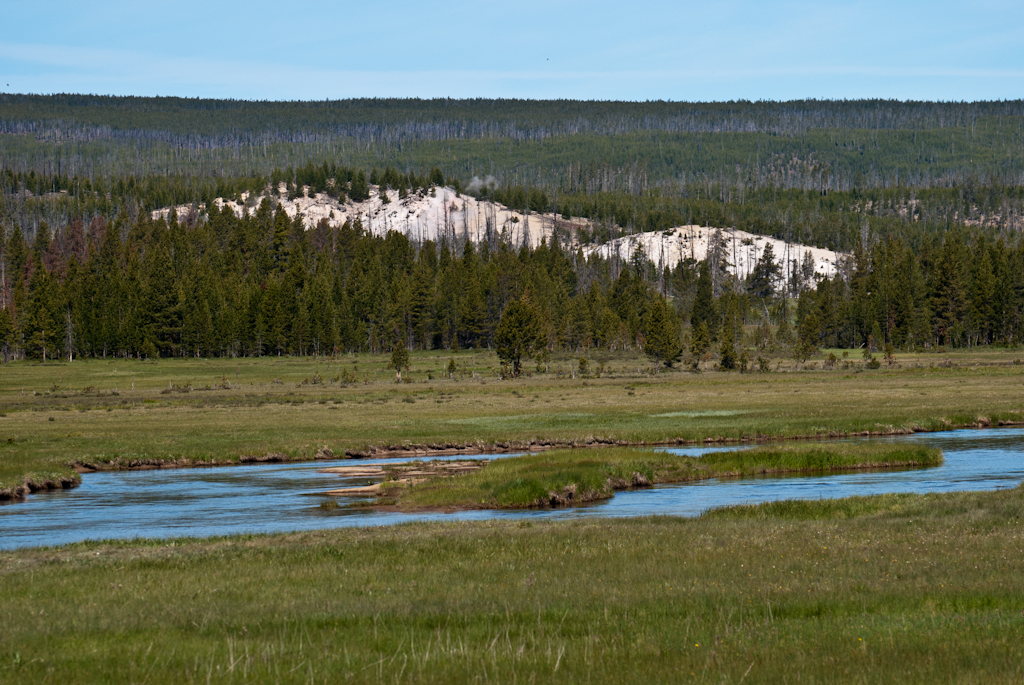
(271, 498)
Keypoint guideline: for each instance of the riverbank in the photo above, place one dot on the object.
(572, 477)
(892, 588)
(131, 414)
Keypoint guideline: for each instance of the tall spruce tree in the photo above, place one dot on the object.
(704, 310)
(661, 342)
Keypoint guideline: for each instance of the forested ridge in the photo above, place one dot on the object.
(611, 145)
(837, 220)
(265, 284)
(927, 199)
(480, 117)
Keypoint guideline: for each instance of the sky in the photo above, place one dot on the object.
(593, 50)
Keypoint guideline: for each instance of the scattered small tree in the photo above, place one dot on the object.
(807, 338)
(518, 335)
(890, 354)
(399, 361)
(766, 272)
(436, 177)
(877, 340)
(700, 344)
(662, 341)
(727, 350)
(360, 189)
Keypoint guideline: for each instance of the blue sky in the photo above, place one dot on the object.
(555, 48)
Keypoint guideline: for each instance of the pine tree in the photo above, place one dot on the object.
(807, 338)
(700, 343)
(518, 335)
(43, 321)
(661, 341)
(360, 190)
(6, 333)
(949, 298)
(704, 310)
(983, 298)
(766, 272)
(472, 309)
(727, 349)
(399, 361)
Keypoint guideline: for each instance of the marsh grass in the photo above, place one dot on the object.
(576, 476)
(900, 588)
(115, 413)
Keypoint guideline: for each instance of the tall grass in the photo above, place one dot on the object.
(566, 477)
(909, 589)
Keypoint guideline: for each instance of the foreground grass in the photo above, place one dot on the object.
(565, 477)
(903, 588)
(117, 413)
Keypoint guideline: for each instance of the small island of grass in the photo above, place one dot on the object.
(574, 476)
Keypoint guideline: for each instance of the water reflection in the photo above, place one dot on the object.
(267, 498)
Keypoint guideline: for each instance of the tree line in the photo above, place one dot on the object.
(594, 145)
(264, 284)
(838, 220)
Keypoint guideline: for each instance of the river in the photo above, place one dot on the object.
(272, 498)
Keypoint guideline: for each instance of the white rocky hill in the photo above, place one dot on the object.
(739, 249)
(430, 215)
(443, 213)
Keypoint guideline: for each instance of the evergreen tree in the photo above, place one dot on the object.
(766, 272)
(399, 361)
(704, 310)
(700, 343)
(360, 190)
(6, 333)
(949, 298)
(807, 338)
(43, 320)
(661, 342)
(518, 335)
(727, 349)
(983, 298)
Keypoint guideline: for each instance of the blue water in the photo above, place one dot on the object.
(270, 498)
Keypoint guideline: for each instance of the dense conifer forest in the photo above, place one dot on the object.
(926, 199)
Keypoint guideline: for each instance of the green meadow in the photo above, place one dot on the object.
(905, 588)
(910, 588)
(119, 413)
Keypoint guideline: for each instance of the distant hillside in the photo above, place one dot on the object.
(444, 214)
(832, 145)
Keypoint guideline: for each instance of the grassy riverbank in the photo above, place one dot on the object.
(118, 413)
(901, 588)
(567, 477)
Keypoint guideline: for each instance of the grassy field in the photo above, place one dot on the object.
(568, 477)
(903, 588)
(117, 413)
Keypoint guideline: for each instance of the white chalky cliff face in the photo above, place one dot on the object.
(443, 213)
(739, 249)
